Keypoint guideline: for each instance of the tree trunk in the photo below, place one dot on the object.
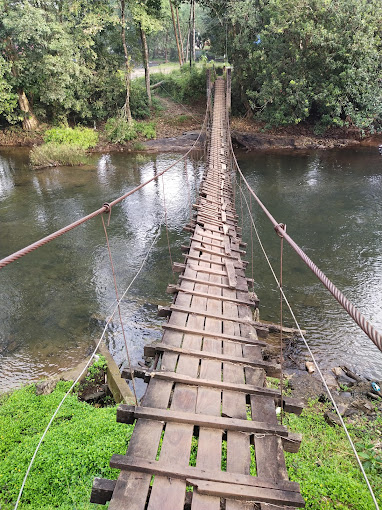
(176, 33)
(193, 31)
(145, 54)
(180, 34)
(165, 48)
(30, 121)
(126, 107)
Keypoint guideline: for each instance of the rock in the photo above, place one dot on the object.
(331, 381)
(342, 408)
(346, 394)
(337, 371)
(46, 387)
(332, 419)
(345, 380)
(310, 367)
(94, 397)
(364, 407)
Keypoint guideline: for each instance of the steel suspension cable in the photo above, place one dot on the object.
(105, 208)
(279, 285)
(351, 309)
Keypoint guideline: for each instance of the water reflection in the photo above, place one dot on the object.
(54, 301)
(331, 203)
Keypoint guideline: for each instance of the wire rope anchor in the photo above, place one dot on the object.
(107, 211)
(279, 227)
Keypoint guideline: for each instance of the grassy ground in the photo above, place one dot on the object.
(82, 439)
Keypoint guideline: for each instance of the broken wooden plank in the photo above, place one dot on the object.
(243, 492)
(232, 281)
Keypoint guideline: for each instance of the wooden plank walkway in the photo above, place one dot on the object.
(206, 399)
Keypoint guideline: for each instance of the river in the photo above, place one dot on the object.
(53, 302)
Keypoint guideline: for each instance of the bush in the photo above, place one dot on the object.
(53, 154)
(80, 136)
(118, 130)
(147, 129)
(187, 85)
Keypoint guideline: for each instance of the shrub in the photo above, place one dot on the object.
(147, 129)
(118, 130)
(80, 136)
(187, 85)
(53, 154)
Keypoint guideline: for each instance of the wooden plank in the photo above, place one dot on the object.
(232, 282)
(260, 328)
(243, 492)
(102, 490)
(127, 414)
(205, 333)
(209, 403)
(154, 467)
(238, 301)
(240, 286)
(239, 264)
(291, 405)
(272, 370)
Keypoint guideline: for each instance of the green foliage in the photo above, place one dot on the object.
(185, 85)
(146, 129)
(8, 100)
(118, 130)
(77, 448)
(316, 61)
(80, 136)
(99, 366)
(53, 154)
(325, 466)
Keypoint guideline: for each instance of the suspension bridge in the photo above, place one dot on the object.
(207, 434)
(209, 380)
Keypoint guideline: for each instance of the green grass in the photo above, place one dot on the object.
(77, 448)
(325, 465)
(53, 154)
(79, 136)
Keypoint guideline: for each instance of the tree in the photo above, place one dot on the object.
(314, 60)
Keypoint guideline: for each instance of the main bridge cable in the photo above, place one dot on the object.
(279, 285)
(86, 366)
(354, 313)
(104, 209)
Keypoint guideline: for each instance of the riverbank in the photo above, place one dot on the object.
(177, 127)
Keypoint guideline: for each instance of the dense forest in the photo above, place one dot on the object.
(315, 61)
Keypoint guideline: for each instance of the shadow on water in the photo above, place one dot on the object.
(54, 301)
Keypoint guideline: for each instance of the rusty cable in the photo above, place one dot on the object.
(314, 361)
(351, 309)
(105, 208)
